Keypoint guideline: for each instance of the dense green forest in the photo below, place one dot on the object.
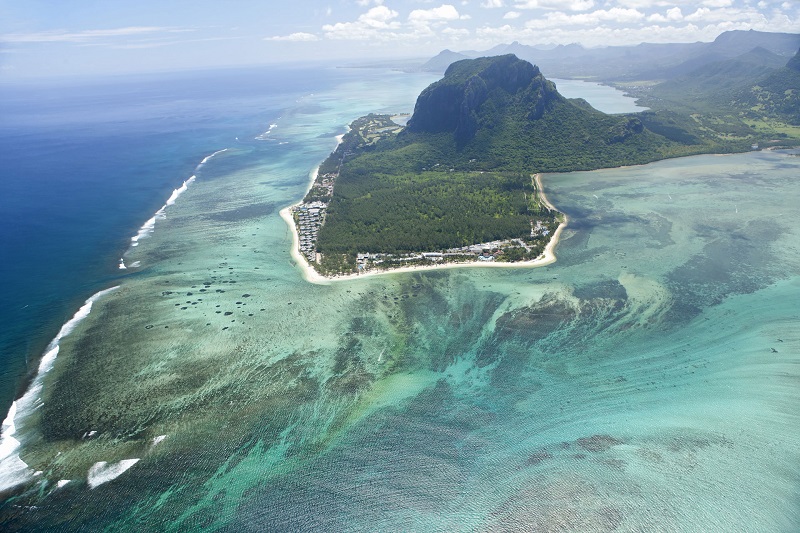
(425, 211)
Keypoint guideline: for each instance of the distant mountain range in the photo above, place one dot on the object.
(629, 63)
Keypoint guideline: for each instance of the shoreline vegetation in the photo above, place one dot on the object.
(310, 274)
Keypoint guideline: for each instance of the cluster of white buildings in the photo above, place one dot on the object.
(539, 229)
(309, 218)
(326, 182)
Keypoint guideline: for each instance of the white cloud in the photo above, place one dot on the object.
(571, 5)
(663, 21)
(377, 23)
(86, 35)
(595, 18)
(296, 37)
(672, 15)
(489, 4)
(456, 33)
(501, 34)
(381, 23)
(442, 13)
(700, 14)
(728, 14)
(365, 3)
(717, 3)
(607, 32)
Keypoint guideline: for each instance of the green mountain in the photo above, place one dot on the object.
(459, 173)
(501, 113)
(441, 61)
(776, 95)
(717, 83)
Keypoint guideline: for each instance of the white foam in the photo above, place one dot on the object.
(150, 226)
(265, 136)
(8, 423)
(122, 264)
(158, 439)
(146, 229)
(48, 359)
(13, 470)
(102, 472)
(62, 482)
(177, 192)
(207, 158)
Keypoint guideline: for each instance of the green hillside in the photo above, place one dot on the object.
(460, 173)
(775, 95)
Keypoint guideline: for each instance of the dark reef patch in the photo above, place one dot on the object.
(597, 443)
(611, 289)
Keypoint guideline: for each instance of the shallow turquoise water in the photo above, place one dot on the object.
(602, 97)
(645, 381)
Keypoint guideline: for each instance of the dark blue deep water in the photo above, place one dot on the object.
(84, 164)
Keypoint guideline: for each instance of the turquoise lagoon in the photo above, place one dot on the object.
(602, 97)
(647, 380)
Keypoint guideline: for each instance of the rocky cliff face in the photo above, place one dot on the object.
(475, 92)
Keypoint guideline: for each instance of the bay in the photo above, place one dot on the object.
(602, 97)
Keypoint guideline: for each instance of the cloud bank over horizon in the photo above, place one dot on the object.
(35, 36)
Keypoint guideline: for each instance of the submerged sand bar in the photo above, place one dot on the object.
(311, 275)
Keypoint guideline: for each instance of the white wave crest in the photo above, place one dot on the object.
(180, 190)
(207, 158)
(13, 470)
(265, 136)
(102, 472)
(150, 226)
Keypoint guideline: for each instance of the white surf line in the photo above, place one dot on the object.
(148, 227)
(265, 136)
(13, 470)
(102, 472)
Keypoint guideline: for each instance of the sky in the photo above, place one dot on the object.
(95, 37)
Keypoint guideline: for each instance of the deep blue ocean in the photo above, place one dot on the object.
(84, 163)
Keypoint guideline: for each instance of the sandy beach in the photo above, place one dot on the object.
(312, 276)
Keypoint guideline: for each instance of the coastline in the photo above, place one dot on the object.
(310, 274)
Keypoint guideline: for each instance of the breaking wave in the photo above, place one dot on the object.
(13, 470)
(150, 226)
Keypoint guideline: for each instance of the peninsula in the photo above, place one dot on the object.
(459, 182)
